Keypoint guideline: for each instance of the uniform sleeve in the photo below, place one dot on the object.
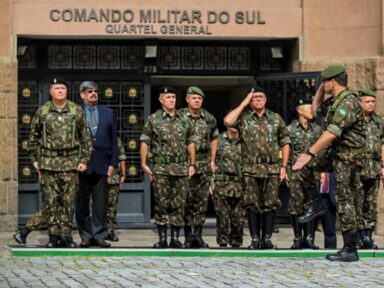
(120, 147)
(342, 118)
(84, 138)
(283, 133)
(35, 137)
(146, 136)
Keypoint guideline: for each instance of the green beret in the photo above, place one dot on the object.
(366, 92)
(332, 71)
(195, 90)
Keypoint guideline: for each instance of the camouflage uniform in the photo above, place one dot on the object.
(169, 138)
(344, 118)
(205, 128)
(304, 178)
(370, 174)
(114, 188)
(58, 156)
(261, 139)
(37, 220)
(227, 192)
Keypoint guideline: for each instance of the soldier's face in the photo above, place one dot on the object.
(194, 101)
(305, 111)
(168, 101)
(258, 101)
(328, 85)
(368, 104)
(90, 96)
(58, 91)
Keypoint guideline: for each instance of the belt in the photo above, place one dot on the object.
(345, 149)
(59, 153)
(170, 159)
(227, 177)
(260, 160)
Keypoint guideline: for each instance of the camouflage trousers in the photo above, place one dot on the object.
(170, 194)
(261, 194)
(369, 212)
(348, 195)
(230, 219)
(112, 200)
(300, 181)
(197, 201)
(37, 220)
(58, 193)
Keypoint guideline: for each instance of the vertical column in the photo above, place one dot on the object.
(8, 120)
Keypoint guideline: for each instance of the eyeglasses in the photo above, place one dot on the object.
(90, 91)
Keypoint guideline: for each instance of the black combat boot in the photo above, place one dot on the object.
(162, 231)
(21, 235)
(349, 252)
(268, 222)
(67, 242)
(367, 240)
(298, 240)
(316, 206)
(175, 243)
(53, 241)
(199, 242)
(188, 237)
(254, 224)
(111, 236)
(308, 236)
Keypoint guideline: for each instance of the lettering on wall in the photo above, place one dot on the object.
(156, 21)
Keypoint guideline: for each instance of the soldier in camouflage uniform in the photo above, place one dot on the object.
(170, 138)
(227, 190)
(114, 182)
(59, 148)
(373, 170)
(263, 133)
(206, 133)
(303, 184)
(345, 132)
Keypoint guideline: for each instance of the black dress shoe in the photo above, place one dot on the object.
(67, 242)
(93, 242)
(53, 242)
(111, 236)
(21, 235)
(84, 244)
(103, 244)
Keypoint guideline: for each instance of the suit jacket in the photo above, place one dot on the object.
(104, 143)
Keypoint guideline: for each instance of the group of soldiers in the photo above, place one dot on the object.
(187, 159)
(242, 168)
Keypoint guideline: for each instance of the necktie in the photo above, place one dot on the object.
(93, 120)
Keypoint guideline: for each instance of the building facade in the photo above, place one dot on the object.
(132, 48)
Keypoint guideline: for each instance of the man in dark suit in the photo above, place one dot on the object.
(93, 183)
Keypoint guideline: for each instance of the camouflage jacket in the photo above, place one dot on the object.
(375, 139)
(302, 139)
(59, 125)
(115, 178)
(227, 178)
(169, 138)
(261, 139)
(205, 129)
(344, 118)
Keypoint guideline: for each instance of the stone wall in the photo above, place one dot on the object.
(362, 73)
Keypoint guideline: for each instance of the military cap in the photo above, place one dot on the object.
(195, 90)
(366, 92)
(256, 88)
(332, 71)
(303, 101)
(58, 80)
(167, 89)
(88, 85)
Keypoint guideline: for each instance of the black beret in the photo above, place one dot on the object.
(255, 88)
(167, 89)
(303, 101)
(58, 80)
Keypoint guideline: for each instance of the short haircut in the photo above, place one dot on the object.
(342, 79)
